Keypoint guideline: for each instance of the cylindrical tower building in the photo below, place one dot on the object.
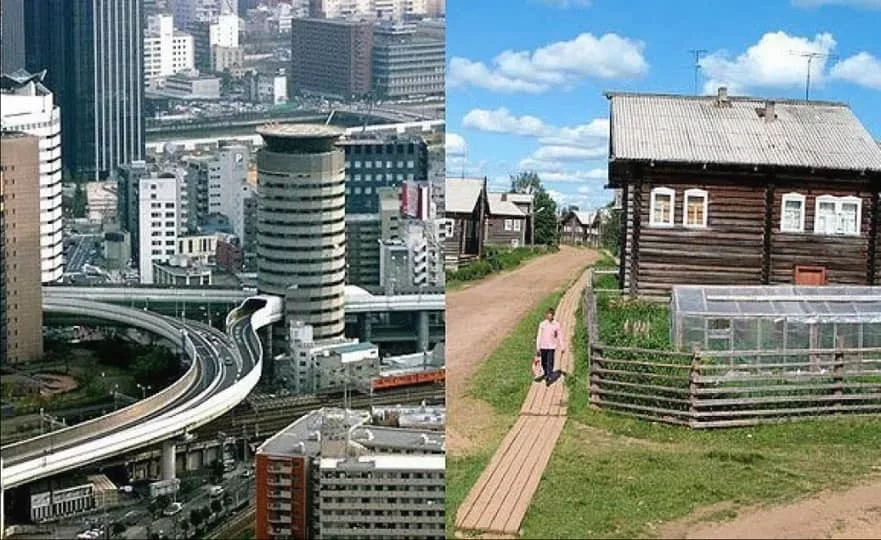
(301, 225)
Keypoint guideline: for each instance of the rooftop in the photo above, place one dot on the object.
(833, 303)
(399, 438)
(500, 205)
(300, 131)
(740, 131)
(461, 194)
(390, 463)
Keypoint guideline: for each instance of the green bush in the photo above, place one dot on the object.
(498, 259)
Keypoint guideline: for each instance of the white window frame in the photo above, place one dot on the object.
(801, 222)
(508, 225)
(689, 193)
(850, 199)
(839, 202)
(662, 191)
(517, 225)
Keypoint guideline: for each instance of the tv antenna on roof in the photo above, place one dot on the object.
(697, 54)
(811, 56)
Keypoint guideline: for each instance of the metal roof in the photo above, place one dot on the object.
(461, 194)
(499, 207)
(734, 130)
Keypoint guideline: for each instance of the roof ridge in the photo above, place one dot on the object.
(714, 97)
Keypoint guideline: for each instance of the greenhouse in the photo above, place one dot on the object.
(775, 318)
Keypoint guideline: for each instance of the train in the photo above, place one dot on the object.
(409, 379)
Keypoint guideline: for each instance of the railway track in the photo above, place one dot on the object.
(270, 420)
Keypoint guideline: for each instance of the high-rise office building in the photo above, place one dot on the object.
(127, 188)
(376, 162)
(26, 105)
(187, 12)
(301, 225)
(94, 56)
(331, 57)
(11, 35)
(22, 311)
(406, 64)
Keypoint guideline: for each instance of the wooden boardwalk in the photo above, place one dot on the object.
(498, 502)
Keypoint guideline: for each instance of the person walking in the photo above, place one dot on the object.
(547, 343)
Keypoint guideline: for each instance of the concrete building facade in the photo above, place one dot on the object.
(331, 57)
(166, 51)
(374, 162)
(332, 474)
(26, 105)
(159, 221)
(301, 252)
(22, 313)
(406, 64)
(128, 186)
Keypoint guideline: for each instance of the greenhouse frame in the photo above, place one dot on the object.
(775, 317)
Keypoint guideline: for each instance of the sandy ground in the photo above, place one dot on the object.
(478, 318)
(852, 514)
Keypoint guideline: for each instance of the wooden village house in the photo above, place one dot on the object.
(465, 203)
(743, 191)
(505, 221)
(580, 228)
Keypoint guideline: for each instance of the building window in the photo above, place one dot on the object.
(509, 225)
(661, 207)
(695, 209)
(838, 215)
(517, 225)
(792, 213)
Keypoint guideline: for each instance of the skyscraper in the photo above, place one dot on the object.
(301, 225)
(331, 57)
(93, 54)
(21, 316)
(26, 105)
(11, 35)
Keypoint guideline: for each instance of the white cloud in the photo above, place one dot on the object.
(568, 3)
(559, 64)
(876, 4)
(570, 153)
(502, 121)
(862, 69)
(773, 61)
(550, 171)
(455, 144)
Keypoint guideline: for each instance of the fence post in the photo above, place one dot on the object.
(596, 364)
(838, 376)
(693, 385)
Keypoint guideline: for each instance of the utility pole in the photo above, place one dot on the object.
(811, 56)
(697, 54)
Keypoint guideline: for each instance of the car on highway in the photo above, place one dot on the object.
(216, 491)
(173, 509)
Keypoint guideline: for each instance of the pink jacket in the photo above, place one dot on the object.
(549, 336)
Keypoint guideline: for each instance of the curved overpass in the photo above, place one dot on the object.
(222, 371)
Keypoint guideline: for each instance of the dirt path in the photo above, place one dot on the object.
(478, 318)
(855, 513)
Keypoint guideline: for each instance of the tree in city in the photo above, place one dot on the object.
(196, 517)
(216, 506)
(117, 529)
(162, 502)
(546, 230)
(217, 470)
(78, 204)
(153, 507)
(185, 527)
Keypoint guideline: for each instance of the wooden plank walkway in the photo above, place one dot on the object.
(498, 502)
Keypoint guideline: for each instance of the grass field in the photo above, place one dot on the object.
(616, 477)
(502, 381)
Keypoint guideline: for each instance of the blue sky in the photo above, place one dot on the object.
(525, 78)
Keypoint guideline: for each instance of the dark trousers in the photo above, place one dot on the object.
(547, 361)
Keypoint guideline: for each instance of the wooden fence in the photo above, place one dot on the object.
(711, 389)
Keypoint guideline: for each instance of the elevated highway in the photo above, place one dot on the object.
(357, 300)
(221, 370)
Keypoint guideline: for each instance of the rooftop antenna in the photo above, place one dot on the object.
(811, 56)
(697, 54)
(464, 159)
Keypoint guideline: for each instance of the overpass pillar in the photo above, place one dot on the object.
(168, 460)
(366, 326)
(2, 504)
(422, 329)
